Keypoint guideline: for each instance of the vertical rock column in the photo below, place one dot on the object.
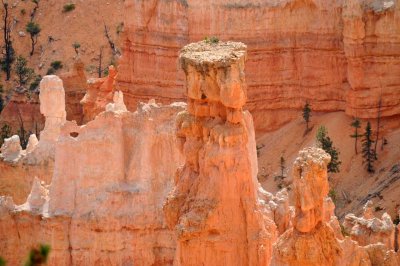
(213, 207)
(311, 241)
(52, 106)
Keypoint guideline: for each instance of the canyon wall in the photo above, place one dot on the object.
(337, 55)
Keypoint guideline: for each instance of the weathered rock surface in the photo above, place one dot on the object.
(370, 230)
(214, 207)
(75, 86)
(11, 150)
(22, 111)
(99, 93)
(312, 241)
(338, 55)
(104, 205)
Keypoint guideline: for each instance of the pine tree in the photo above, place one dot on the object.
(307, 114)
(33, 29)
(324, 142)
(8, 50)
(356, 124)
(24, 73)
(38, 256)
(367, 149)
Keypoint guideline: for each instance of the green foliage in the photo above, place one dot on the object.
(76, 46)
(332, 194)
(356, 124)
(24, 73)
(35, 83)
(2, 262)
(211, 40)
(5, 133)
(307, 114)
(56, 65)
(38, 256)
(368, 152)
(324, 142)
(7, 61)
(33, 28)
(68, 7)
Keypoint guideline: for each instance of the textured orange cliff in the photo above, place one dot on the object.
(338, 55)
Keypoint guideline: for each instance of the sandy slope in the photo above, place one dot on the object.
(353, 182)
(85, 25)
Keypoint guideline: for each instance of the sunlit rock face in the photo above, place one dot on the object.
(104, 204)
(314, 239)
(338, 55)
(214, 208)
(369, 229)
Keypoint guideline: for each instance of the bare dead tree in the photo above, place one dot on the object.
(110, 41)
(100, 67)
(34, 10)
(8, 51)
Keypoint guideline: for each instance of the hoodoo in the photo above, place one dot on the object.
(214, 207)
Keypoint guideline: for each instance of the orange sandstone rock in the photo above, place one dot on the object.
(214, 207)
(370, 230)
(99, 93)
(75, 85)
(338, 55)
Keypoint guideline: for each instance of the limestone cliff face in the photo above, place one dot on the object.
(338, 55)
(214, 207)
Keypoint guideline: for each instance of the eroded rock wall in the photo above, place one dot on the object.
(338, 55)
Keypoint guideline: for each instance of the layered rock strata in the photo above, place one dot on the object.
(104, 204)
(214, 207)
(75, 85)
(22, 111)
(337, 55)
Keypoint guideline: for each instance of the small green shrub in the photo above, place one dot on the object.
(56, 65)
(68, 7)
(332, 194)
(35, 83)
(211, 40)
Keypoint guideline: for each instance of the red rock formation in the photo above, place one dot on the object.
(372, 47)
(75, 85)
(312, 241)
(338, 55)
(99, 93)
(214, 206)
(22, 110)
